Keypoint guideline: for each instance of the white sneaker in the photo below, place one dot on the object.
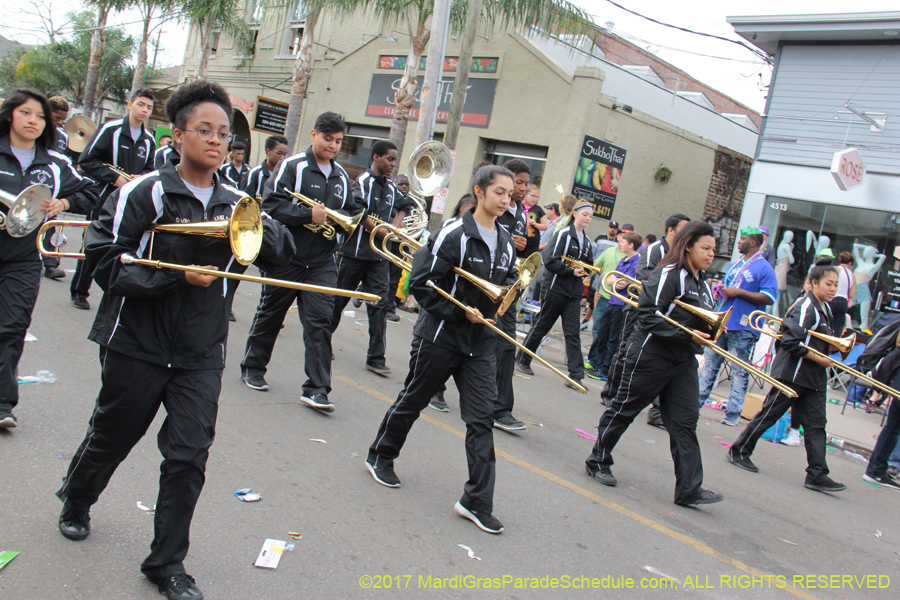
(793, 438)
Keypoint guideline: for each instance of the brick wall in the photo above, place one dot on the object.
(725, 199)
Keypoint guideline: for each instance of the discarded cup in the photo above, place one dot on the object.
(247, 495)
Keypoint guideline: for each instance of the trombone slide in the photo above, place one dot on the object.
(484, 321)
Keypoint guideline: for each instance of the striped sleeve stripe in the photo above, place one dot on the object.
(103, 128)
(126, 190)
(439, 240)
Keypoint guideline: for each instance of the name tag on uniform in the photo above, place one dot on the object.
(745, 320)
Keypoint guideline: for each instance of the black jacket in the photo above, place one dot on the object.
(165, 154)
(515, 221)
(660, 290)
(52, 169)
(153, 314)
(300, 173)
(112, 144)
(253, 183)
(790, 364)
(458, 243)
(234, 175)
(382, 199)
(62, 140)
(559, 277)
(650, 257)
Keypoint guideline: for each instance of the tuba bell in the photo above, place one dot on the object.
(429, 170)
(23, 213)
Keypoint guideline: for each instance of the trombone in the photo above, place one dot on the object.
(118, 171)
(348, 224)
(717, 320)
(243, 230)
(771, 326)
(23, 213)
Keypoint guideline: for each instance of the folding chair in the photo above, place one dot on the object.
(835, 375)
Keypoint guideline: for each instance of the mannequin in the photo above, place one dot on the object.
(866, 268)
(784, 257)
(818, 245)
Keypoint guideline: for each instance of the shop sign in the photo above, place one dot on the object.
(245, 106)
(598, 175)
(476, 108)
(271, 116)
(892, 302)
(439, 202)
(848, 169)
(479, 64)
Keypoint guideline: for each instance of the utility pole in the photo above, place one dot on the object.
(440, 22)
(463, 69)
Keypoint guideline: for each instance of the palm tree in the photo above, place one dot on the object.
(206, 15)
(302, 69)
(148, 10)
(103, 7)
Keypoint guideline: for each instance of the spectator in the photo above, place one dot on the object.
(767, 250)
(537, 219)
(647, 241)
(607, 262)
(610, 240)
(845, 292)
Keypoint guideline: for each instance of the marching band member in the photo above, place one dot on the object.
(806, 374)
(448, 341)
(314, 174)
(124, 143)
(253, 183)
(358, 263)
(167, 152)
(562, 292)
(235, 170)
(162, 333)
(60, 113)
(661, 361)
(28, 156)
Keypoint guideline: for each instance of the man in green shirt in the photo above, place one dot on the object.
(608, 260)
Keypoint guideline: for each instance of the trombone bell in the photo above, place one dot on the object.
(716, 320)
(24, 211)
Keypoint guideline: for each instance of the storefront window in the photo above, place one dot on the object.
(800, 227)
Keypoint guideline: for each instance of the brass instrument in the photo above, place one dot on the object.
(118, 171)
(717, 320)
(771, 326)
(429, 170)
(79, 128)
(244, 232)
(348, 224)
(575, 264)
(24, 213)
(499, 332)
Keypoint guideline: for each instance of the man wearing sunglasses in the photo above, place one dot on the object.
(254, 181)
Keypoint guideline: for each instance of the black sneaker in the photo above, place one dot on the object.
(81, 303)
(7, 420)
(523, 368)
(382, 370)
(893, 472)
(393, 317)
(744, 463)
(256, 382)
(603, 475)
(484, 520)
(319, 401)
(54, 273)
(438, 404)
(74, 524)
(705, 497)
(884, 481)
(385, 477)
(656, 422)
(180, 587)
(509, 423)
(231, 316)
(572, 386)
(824, 484)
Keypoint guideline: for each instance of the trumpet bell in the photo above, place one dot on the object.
(24, 211)
(79, 128)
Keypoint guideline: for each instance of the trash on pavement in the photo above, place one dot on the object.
(6, 556)
(350, 313)
(294, 535)
(270, 554)
(584, 434)
(39, 377)
(317, 440)
(146, 509)
(470, 551)
(787, 542)
(248, 495)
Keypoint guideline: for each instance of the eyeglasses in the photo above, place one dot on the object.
(280, 153)
(536, 197)
(206, 134)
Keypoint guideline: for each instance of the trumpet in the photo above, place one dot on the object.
(771, 326)
(509, 339)
(244, 233)
(717, 320)
(348, 224)
(118, 171)
(576, 264)
(23, 213)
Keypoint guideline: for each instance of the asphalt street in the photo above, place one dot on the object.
(363, 540)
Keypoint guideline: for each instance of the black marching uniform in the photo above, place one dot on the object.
(561, 297)
(232, 174)
(162, 341)
(253, 183)
(446, 343)
(112, 144)
(20, 261)
(358, 263)
(515, 222)
(648, 260)
(165, 154)
(661, 361)
(314, 263)
(802, 375)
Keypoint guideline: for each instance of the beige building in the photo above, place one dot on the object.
(529, 96)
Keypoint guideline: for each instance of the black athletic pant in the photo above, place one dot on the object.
(887, 439)
(315, 315)
(648, 374)
(614, 374)
(19, 284)
(129, 399)
(809, 408)
(374, 275)
(81, 280)
(506, 364)
(554, 306)
(50, 262)
(429, 368)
